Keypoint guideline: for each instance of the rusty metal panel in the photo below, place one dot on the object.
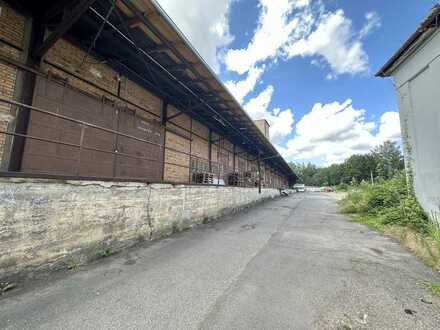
(53, 158)
(145, 160)
(241, 164)
(93, 152)
(97, 163)
(225, 158)
(47, 157)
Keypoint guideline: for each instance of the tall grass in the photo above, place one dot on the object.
(390, 203)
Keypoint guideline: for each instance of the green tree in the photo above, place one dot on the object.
(383, 161)
(389, 159)
(359, 168)
(309, 172)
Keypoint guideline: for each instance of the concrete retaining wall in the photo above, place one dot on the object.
(50, 224)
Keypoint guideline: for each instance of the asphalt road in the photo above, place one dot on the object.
(292, 263)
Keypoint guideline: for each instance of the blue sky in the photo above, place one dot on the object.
(307, 66)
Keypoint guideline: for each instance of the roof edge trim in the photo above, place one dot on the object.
(431, 22)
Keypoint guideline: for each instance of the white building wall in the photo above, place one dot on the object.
(417, 83)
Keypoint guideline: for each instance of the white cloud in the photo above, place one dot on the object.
(333, 132)
(389, 126)
(372, 22)
(335, 41)
(301, 3)
(273, 31)
(257, 107)
(280, 121)
(290, 28)
(243, 87)
(204, 22)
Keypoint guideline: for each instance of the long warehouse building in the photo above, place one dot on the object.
(111, 90)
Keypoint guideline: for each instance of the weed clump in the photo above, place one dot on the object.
(390, 202)
(435, 288)
(106, 253)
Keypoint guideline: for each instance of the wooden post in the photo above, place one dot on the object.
(259, 174)
(233, 158)
(190, 168)
(163, 122)
(210, 150)
(164, 113)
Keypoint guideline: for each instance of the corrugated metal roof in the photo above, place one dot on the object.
(188, 74)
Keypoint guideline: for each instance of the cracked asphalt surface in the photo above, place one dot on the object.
(290, 263)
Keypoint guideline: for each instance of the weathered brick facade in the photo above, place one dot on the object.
(176, 163)
(12, 30)
(92, 75)
(11, 25)
(140, 96)
(71, 58)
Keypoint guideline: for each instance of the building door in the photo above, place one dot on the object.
(69, 148)
(138, 159)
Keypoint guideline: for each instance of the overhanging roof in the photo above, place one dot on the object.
(137, 38)
(429, 24)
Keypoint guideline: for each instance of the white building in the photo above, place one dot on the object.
(415, 69)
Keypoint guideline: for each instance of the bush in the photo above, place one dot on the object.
(390, 202)
(342, 187)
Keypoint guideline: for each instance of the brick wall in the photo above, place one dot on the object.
(176, 173)
(71, 58)
(12, 30)
(7, 88)
(139, 95)
(11, 25)
(200, 148)
(45, 224)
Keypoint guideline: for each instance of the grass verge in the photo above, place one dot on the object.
(390, 207)
(435, 288)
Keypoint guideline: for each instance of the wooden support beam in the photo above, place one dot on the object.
(136, 20)
(132, 22)
(181, 66)
(196, 81)
(163, 113)
(210, 150)
(239, 153)
(56, 9)
(68, 21)
(177, 67)
(219, 102)
(199, 105)
(259, 173)
(156, 49)
(233, 157)
(175, 115)
(209, 95)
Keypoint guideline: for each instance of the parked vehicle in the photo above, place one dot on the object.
(300, 187)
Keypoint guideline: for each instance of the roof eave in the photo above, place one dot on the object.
(187, 43)
(431, 22)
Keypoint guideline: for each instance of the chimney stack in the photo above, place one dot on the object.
(263, 125)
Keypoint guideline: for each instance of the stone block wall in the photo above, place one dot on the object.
(47, 224)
